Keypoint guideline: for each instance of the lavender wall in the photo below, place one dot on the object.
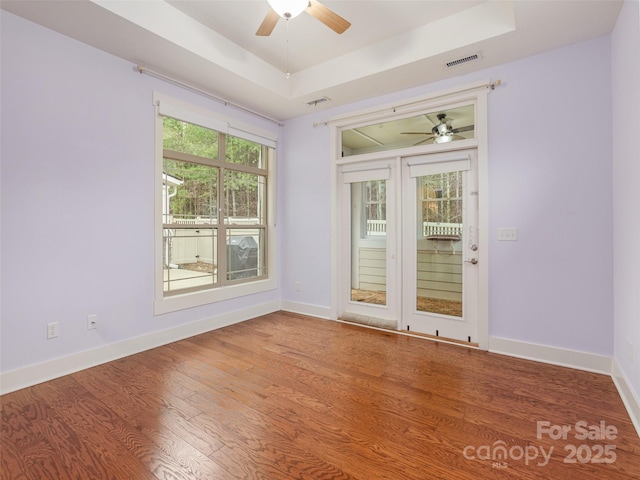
(550, 175)
(626, 197)
(306, 219)
(77, 197)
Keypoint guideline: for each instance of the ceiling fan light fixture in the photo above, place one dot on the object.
(443, 138)
(288, 8)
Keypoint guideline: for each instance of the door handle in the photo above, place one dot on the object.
(473, 261)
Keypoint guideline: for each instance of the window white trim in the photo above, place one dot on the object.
(365, 174)
(433, 164)
(251, 135)
(402, 108)
(171, 107)
(167, 106)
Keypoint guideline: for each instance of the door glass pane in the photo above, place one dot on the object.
(439, 255)
(369, 242)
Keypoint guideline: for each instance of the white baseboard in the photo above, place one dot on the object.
(45, 371)
(627, 394)
(306, 309)
(556, 356)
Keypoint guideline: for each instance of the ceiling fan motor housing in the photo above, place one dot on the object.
(441, 129)
(288, 9)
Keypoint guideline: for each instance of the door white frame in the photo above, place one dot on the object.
(476, 93)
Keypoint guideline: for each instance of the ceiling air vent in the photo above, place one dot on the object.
(315, 102)
(460, 61)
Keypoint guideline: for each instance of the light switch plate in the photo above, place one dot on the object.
(507, 234)
(52, 330)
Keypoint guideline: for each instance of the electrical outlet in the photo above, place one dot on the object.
(92, 322)
(52, 330)
(629, 350)
(298, 286)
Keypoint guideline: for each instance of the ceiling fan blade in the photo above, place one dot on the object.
(463, 129)
(327, 16)
(428, 139)
(268, 24)
(415, 133)
(431, 120)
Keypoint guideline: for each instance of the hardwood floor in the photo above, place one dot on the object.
(285, 396)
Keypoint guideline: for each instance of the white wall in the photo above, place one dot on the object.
(550, 176)
(77, 198)
(626, 193)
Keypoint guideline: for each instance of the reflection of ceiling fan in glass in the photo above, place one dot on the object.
(442, 132)
(288, 9)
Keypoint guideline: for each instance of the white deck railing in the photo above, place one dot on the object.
(181, 220)
(379, 227)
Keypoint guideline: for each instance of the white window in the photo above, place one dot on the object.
(213, 220)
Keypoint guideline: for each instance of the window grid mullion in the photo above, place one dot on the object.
(222, 226)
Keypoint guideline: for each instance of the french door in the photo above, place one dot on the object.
(440, 245)
(409, 244)
(369, 225)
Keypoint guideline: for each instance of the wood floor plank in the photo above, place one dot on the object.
(163, 418)
(26, 452)
(260, 439)
(149, 390)
(285, 396)
(106, 457)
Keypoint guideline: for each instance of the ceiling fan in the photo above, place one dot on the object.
(288, 9)
(442, 132)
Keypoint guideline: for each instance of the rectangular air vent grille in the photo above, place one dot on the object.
(315, 102)
(460, 61)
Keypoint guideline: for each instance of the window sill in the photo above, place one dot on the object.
(196, 299)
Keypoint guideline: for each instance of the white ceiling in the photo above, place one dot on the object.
(391, 45)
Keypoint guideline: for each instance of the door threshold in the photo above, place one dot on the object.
(450, 341)
(370, 321)
(444, 339)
